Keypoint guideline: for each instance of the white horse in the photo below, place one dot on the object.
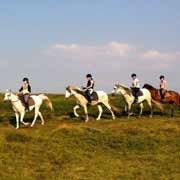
(82, 101)
(20, 110)
(129, 98)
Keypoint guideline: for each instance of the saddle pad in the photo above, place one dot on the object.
(140, 93)
(31, 101)
(94, 96)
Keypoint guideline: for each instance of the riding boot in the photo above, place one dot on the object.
(26, 107)
(135, 99)
(89, 99)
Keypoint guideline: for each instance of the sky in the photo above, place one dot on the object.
(56, 43)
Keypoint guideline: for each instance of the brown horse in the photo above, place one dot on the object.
(171, 97)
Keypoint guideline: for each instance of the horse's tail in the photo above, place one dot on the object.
(47, 100)
(179, 100)
(158, 105)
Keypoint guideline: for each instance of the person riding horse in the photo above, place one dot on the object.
(135, 87)
(25, 91)
(89, 87)
(163, 87)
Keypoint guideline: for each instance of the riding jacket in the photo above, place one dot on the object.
(90, 85)
(135, 83)
(25, 89)
(163, 84)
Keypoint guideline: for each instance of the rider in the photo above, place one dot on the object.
(163, 87)
(89, 87)
(25, 90)
(135, 86)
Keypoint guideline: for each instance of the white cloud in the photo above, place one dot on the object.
(155, 54)
(110, 49)
(119, 49)
(115, 54)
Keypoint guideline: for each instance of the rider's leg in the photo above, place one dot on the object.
(26, 98)
(136, 94)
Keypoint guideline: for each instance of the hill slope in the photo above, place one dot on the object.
(66, 148)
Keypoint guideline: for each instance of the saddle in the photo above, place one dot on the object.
(94, 96)
(29, 103)
(139, 93)
(165, 93)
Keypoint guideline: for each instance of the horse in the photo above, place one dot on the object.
(20, 110)
(129, 98)
(171, 97)
(79, 94)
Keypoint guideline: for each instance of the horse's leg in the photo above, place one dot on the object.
(42, 119)
(151, 108)
(22, 117)
(172, 110)
(17, 120)
(86, 113)
(75, 108)
(141, 109)
(100, 112)
(126, 108)
(129, 109)
(110, 109)
(35, 116)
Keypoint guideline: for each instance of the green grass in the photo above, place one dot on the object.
(66, 148)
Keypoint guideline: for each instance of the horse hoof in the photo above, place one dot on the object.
(26, 124)
(86, 120)
(97, 119)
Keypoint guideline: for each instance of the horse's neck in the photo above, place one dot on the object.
(78, 96)
(14, 97)
(127, 95)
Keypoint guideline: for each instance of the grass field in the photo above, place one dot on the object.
(66, 148)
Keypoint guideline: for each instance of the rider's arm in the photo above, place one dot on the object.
(20, 89)
(90, 86)
(29, 88)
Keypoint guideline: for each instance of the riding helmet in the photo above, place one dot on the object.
(133, 75)
(161, 77)
(25, 79)
(89, 76)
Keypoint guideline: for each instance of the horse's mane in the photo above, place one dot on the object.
(148, 86)
(128, 90)
(76, 89)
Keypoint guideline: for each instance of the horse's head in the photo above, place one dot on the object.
(72, 90)
(120, 89)
(68, 92)
(7, 95)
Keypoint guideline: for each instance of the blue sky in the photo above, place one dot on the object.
(55, 43)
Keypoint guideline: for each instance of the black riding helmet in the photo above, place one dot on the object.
(161, 77)
(133, 75)
(89, 76)
(25, 79)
